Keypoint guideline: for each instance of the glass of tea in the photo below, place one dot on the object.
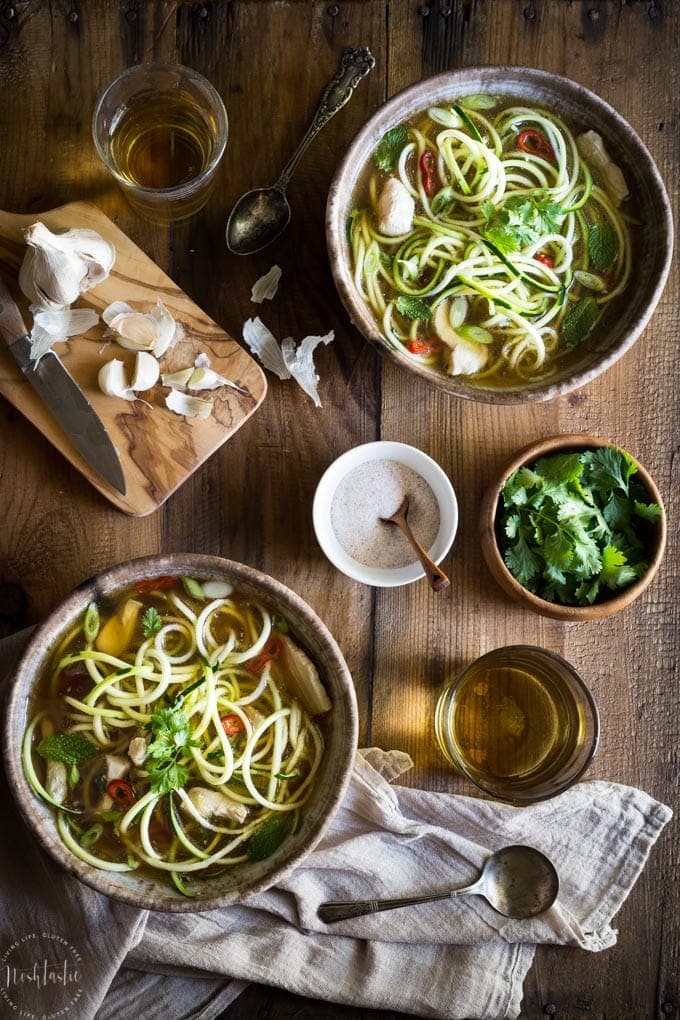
(161, 130)
(519, 722)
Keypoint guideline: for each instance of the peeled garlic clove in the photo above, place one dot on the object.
(206, 379)
(134, 331)
(178, 379)
(147, 371)
(191, 407)
(113, 381)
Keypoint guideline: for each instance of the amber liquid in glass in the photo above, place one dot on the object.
(161, 142)
(510, 724)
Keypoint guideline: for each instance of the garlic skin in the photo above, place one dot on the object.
(190, 407)
(57, 325)
(113, 381)
(57, 268)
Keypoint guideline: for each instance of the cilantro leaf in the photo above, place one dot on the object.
(603, 245)
(567, 525)
(267, 837)
(390, 146)
(172, 740)
(69, 748)
(151, 622)
(412, 308)
(609, 469)
(578, 322)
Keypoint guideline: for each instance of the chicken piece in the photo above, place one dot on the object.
(213, 804)
(302, 678)
(56, 776)
(137, 750)
(116, 767)
(395, 208)
(464, 357)
(591, 147)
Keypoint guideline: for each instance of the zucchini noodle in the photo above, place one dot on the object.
(509, 218)
(195, 747)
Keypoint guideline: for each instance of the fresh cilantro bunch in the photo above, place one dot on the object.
(573, 526)
(171, 743)
(521, 220)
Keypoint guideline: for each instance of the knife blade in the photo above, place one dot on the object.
(62, 395)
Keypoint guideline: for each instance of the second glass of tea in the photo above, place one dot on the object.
(161, 131)
(520, 723)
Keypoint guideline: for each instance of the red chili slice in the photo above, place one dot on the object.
(427, 172)
(547, 260)
(269, 653)
(535, 144)
(154, 584)
(423, 347)
(121, 792)
(232, 725)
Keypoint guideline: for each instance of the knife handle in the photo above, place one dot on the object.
(12, 326)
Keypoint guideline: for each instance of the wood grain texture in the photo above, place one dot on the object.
(252, 499)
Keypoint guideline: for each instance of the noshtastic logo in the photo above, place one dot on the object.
(40, 976)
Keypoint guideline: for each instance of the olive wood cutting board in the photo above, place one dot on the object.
(158, 449)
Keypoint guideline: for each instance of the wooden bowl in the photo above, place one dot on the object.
(625, 318)
(340, 734)
(494, 558)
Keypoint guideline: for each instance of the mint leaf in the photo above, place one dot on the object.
(390, 146)
(267, 837)
(69, 748)
(578, 322)
(603, 245)
(151, 622)
(412, 308)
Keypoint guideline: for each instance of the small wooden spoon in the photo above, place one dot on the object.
(437, 579)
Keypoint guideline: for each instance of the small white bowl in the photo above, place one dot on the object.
(409, 456)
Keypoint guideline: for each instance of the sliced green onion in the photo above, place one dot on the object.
(476, 333)
(91, 622)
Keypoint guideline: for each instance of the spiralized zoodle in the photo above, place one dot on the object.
(514, 247)
(174, 734)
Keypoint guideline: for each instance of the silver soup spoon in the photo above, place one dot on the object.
(517, 881)
(260, 216)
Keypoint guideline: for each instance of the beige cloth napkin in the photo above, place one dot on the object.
(453, 959)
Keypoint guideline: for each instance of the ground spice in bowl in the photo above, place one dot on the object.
(376, 489)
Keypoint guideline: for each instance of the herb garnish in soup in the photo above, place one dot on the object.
(173, 730)
(488, 240)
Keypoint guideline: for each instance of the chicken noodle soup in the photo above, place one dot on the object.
(173, 730)
(488, 240)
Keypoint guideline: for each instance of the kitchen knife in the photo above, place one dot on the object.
(59, 391)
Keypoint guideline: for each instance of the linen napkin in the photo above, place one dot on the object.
(461, 958)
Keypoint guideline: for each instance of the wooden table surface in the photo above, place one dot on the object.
(252, 500)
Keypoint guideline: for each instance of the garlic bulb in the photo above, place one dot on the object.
(57, 268)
